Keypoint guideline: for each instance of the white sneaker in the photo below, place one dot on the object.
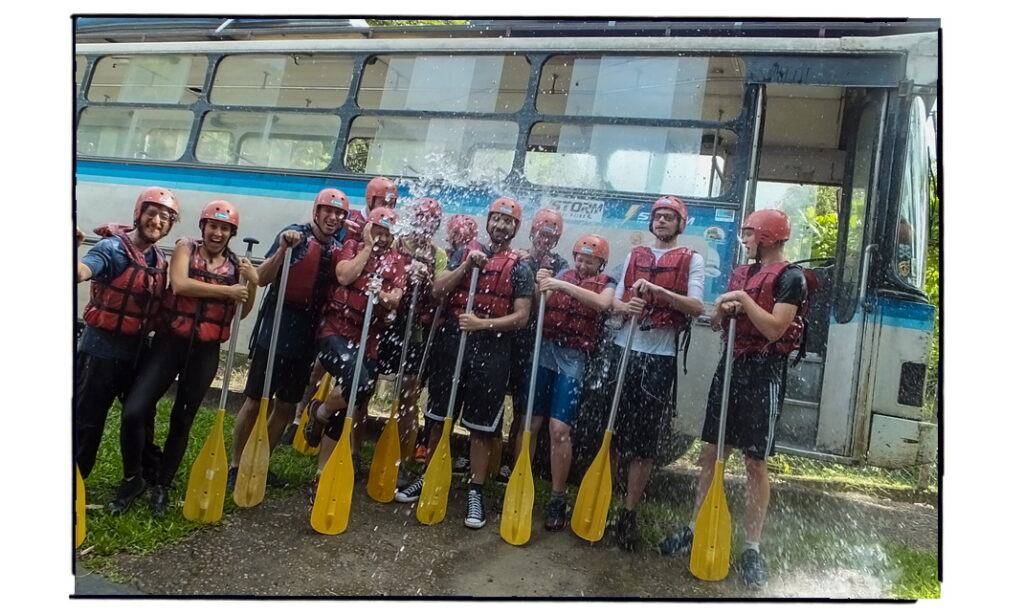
(504, 474)
(475, 518)
(460, 465)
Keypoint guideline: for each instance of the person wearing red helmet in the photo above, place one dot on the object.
(362, 268)
(128, 276)
(380, 192)
(315, 246)
(206, 280)
(573, 321)
(767, 298)
(462, 231)
(663, 286)
(501, 304)
(545, 231)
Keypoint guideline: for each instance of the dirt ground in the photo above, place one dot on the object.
(270, 550)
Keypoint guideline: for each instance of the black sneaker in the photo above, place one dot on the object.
(411, 492)
(680, 543)
(626, 532)
(127, 492)
(357, 468)
(460, 465)
(556, 515)
(232, 478)
(755, 572)
(159, 499)
(475, 517)
(504, 473)
(289, 434)
(274, 481)
(314, 429)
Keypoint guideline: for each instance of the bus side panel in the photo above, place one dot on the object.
(706, 349)
(906, 333)
(897, 443)
(839, 388)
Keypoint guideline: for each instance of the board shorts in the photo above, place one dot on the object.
(557, 396)
(338, 355)
(646, 406)
(756, 391)
(288, 382)
(485, 369)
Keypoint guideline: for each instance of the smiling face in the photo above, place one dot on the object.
(216, 235)
(155, 222)
(329, 219)
(587, 265)
(381, 237)
(501, 227)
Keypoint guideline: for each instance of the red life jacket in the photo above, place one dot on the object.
(426, 304)
(181, 313)
(494, 292)
(671, 272)
(473, 244)
(761, 287)
(302, 277)
(345, 310)
(569, 322)
(128, 304)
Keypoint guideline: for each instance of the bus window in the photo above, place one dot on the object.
(171, 79)
(79, 72)
(429, 147)
(912, 225)
(479, 83)
(278, 80)
(147, 134)
(662, 87)
(652, 160)
(812, 211)
(274, 140)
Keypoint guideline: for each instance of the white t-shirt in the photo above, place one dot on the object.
(660, 341)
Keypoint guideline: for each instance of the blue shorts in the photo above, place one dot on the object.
(557, 395)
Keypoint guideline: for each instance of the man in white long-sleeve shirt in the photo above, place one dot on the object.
(663, 286)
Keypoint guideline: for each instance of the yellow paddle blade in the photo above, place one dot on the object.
(712, 532)
(517, 509)
(595, 495)
(333, 501)
(437, 481)
(251, 484)
(79, 508)
(299, 442)
(208, 479)
(386, 457)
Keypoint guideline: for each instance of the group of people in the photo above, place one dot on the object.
(342, 259)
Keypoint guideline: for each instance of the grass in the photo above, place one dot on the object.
(920, 577)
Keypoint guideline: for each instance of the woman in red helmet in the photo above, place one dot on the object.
(767, 299)
(206, 286)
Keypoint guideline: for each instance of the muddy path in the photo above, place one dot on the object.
(819, 545)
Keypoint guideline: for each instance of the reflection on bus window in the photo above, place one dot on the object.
(283, 80)
(171, 79)
(485, 84)
(662, 87)
(645, 159)
(452, 148)
(912, 226)
(813, 216)
(144, 134)
(273, 140)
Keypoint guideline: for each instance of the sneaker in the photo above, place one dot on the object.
(232, 478)
(475, 517)
(411, 492)
(127, 492)
(626, 532)
(421, 454)
(159, 499)
(504, 473)
(680, 543)
(274, 481)
(312, 488)
(755, 572)
(460, 465)
(556, 515)
(357, 468)
(289, 435)
(314, 429)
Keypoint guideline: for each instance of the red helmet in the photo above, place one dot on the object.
(384, 217)
(593, 245)
(427, 215)
(157, 196)
(220, 210)
(381, 188)
(769, 225)
(675, 204)
(507, 206)
(461, 229)
(331, 197)
(547, 220)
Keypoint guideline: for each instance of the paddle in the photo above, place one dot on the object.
(387, 455)
(79, 508)
(712, 531)
(251, 484)
(207, 481)
(414, 435)
(333, 501)
(437, 480)
(517, 509)
(299, 442)
(595, 494)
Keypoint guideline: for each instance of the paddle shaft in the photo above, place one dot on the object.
(621, 377)
(462, 346)
(285, 267)
(430, 339)
(230, 362)
(411, 314)
(536, 360)
(726, 383)
(360, 353)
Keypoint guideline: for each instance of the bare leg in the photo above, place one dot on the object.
(244, 422)
(508, 456)
(479, 456)
(280, 416)
(758, 493)
(315, 376)
(327, 446)
(636, 481)
(407, 418)
(561, 453)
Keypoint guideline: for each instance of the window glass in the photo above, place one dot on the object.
(276, 80)
(79, 72)
(459, 149)
(275, 140)
(146, 134)
(170, 79)
(912, 225)
(812, 211)
(664, 87)
(653, 160)
(477, 83)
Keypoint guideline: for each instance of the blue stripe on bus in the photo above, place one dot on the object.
(905, 314)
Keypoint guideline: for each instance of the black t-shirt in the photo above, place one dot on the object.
(790, 287)
(522, 276)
